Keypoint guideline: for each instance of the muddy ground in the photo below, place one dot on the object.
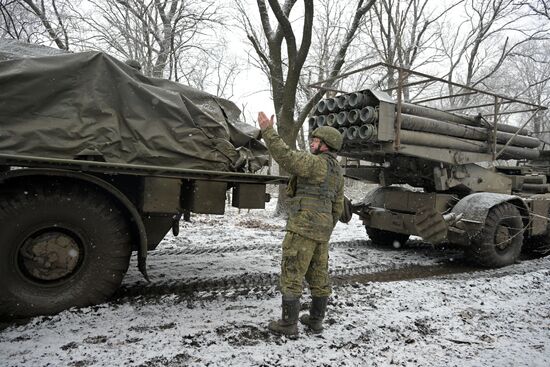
(214, 288)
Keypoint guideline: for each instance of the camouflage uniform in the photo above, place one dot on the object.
(316, 189)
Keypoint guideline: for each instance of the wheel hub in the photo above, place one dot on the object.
(50, 255)
(502, 238)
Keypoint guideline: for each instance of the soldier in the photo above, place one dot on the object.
(316, 191)
(133, 64)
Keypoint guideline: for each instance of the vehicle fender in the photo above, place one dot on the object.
(474, 208)
(373, 200)
(347, 213)
(136, 221)
(376, 197)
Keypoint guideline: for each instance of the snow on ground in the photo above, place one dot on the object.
(473, 318)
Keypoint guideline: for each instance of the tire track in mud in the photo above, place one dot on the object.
(205, 250)
(245, 283)
(188, 286)
(254, 246)
(191, 286)
(266, 283)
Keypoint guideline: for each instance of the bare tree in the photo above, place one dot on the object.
(37, 21)
(539, 7)
(214, 71)
(284, 66)
(492, 30)
(526, 76)
(330, 29)
(161, 34)
(405, 34)
(175, 39)
(14, 21)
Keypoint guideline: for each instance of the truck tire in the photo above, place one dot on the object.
(61, 245)
(499, 243)
(387, 238)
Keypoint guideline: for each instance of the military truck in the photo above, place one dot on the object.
(448, 177)
(98, 161)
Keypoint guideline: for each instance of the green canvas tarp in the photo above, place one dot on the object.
(92, 105)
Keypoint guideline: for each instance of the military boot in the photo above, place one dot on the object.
(314, 320)
(288, 324)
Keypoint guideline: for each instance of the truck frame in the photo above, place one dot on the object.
(68, 227)
(440, 173)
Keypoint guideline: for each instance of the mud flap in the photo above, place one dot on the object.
(142, 252)
(142, 266)
(347, 213)
(430, 225)
(176, 225)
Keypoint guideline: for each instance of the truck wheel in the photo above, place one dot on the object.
(499, 243)
(60, 246)
(387, 238)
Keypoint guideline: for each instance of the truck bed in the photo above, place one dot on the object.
(10, 160)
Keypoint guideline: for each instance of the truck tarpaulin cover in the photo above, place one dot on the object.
(79, 105)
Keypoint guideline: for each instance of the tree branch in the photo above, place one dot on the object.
(41, 14)
(361, 10)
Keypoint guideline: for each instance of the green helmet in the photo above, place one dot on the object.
(133, 63)
(330, 136)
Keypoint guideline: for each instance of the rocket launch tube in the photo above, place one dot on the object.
(342, 101)
(432, 113)
(418, 123)
(342, 118)
(467, 145)
(331, 119)
(352, 132)
(332, 105)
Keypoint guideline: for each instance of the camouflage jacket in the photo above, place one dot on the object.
(316, 188)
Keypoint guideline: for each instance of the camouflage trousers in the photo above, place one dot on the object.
(304, 258)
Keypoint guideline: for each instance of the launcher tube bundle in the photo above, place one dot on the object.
(371, 125)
